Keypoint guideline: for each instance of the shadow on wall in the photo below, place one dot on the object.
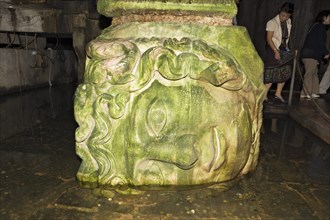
(23, 69)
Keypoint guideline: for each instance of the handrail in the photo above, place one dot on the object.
(293, 77)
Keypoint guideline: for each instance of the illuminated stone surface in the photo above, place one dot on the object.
(168, 104)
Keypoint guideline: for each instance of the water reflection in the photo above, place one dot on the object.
(287, 141)
(23, 110)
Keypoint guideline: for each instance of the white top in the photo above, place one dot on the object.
(275, 25)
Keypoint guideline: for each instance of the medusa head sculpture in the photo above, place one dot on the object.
(168, 103)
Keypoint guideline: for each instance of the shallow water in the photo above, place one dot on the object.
(39, 164)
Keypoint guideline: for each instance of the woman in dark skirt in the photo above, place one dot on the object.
(278, 56)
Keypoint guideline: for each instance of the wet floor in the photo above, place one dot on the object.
(38, 168)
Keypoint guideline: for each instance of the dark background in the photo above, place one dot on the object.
(254, 14)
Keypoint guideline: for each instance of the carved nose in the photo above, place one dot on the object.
(180, 152)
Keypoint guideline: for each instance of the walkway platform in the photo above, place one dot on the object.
(312, 114)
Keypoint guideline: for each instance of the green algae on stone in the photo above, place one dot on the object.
(168, 103)
(112, 8)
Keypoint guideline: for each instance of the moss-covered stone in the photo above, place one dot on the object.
(113, 8)
(168, 104)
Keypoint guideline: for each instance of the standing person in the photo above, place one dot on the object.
(325, 82)
(277, 70)
(313, 51)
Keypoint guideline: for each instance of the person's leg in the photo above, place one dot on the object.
(310, 71)
(279, 89)
(325, 81)
(268, 85)
(315, 84)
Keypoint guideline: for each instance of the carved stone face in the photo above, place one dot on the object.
(168, 112)
(182, 135)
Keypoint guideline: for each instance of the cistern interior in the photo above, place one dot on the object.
(42, 63)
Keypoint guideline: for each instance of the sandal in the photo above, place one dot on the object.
(280, 98)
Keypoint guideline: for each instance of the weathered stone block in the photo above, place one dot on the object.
(168, 104)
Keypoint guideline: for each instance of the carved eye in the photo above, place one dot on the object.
(156, 117)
